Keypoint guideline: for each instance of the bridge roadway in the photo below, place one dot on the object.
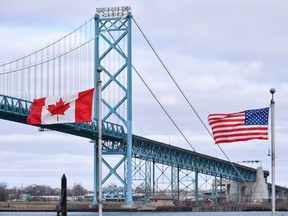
(17, 110)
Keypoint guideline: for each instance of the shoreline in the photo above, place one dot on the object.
(118, 207)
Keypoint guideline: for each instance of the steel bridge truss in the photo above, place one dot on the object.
(17, 110)
(157, 167)
(150, 167)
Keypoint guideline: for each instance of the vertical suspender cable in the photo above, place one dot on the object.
(22, 78)
(69, 63)
(74, 64)
(11, 79)
(53, 72)
(47, 73)
(35, 76)
(8, 80)
(1, 80)
(41, 75)
(29, 76)
(78, 51)
(59, 68)
(18, 83)
(79, 57)
(65, 72)
(68, 66)
(85, 59)
(4, 82)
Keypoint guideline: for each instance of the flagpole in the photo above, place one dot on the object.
(99, 70)
(272, 105)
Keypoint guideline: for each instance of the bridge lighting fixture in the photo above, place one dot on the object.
(113, 11)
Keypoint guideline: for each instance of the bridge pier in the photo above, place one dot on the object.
(256, 192)
(261, 188)
(196, 187)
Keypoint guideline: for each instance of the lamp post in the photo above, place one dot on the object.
(99, 70)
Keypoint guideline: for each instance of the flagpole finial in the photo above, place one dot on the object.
(272, 91)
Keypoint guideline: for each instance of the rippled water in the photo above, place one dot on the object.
(146, 213)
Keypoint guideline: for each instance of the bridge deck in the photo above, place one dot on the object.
(17, 110)
(190, 160)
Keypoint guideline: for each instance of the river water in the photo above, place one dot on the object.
(146, 213)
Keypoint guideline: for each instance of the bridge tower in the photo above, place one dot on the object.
(113, 55)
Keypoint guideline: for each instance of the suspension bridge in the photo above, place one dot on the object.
(68, 66)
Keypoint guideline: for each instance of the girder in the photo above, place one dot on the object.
(278, 188)
(15, 109)
(190, 160)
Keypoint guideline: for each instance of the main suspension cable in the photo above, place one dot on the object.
(151, 92)
(198, 116)
(163, 108)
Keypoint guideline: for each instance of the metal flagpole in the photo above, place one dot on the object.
(272, 105)
(99, 70)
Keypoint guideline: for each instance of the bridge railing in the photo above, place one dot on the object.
(147, 149)
(14, 105)
(16, 109)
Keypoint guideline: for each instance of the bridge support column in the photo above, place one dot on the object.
(221, 194)
(129, 200)
(238, 191)
(147, 181)
(96, 96)
(260, 187)
(196, 188)
(113, 35)
(178, 183)
(175, 182)
(215, 191)
(153, 178)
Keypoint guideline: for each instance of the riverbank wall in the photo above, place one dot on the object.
(118, 207)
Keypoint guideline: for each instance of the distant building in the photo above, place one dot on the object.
(161, 200)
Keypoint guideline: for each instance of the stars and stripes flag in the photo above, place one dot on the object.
(240, 126)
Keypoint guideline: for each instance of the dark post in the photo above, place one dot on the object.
(62, 207)
(64, 195)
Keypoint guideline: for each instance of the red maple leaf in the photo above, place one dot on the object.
(59, 108)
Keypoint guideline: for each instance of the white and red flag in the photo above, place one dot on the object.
(62, 109)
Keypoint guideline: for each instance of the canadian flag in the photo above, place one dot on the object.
(62, 109)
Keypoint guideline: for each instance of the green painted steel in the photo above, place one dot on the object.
(113, 41)
(17, 110)
(147, 149)
(278, 190)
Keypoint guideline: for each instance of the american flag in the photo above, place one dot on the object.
(240, 126)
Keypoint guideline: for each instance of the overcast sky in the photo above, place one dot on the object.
(225, 55)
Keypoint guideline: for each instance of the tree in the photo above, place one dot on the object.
(78, 190)
(37, 191)
(13, 193)
(3, 191)
(112, 185)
